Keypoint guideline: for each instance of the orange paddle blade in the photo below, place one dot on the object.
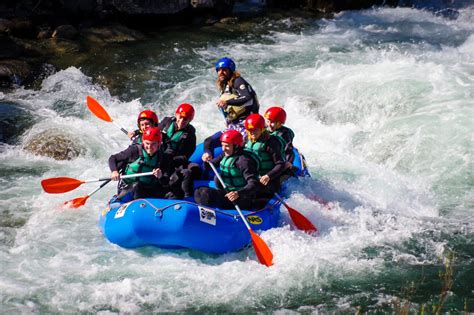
(97, 109)
(76, 202)
(300, 220)
(264, 254)
(59, 185)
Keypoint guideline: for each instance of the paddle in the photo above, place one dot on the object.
(80, 201)
(101, 113)
(264, 253)
(300, 221)
(59, 185)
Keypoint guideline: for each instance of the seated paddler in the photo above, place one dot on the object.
(179, 141)
(239, 171)
(142, 158)
(270, 149)
(146, 119)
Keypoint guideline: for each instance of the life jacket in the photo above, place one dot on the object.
(287, 135)
(144, 163)
(260, 148)
(245, 109)
(173, 139)
(231, 174)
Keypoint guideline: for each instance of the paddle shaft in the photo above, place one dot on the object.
(281, 199)
(121, 177)
(225, 187)
(98, 188)
(120, 127)
(100, 112)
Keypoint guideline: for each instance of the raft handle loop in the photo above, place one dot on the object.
(159, 213)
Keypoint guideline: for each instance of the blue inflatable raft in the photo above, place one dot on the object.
(184, 224)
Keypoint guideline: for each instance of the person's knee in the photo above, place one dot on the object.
(201, 196)
(195, 170)
(186, 173)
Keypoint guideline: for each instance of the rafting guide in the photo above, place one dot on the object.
(237, 100)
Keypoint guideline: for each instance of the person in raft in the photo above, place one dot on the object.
(179, 141)
(275, 118)
(146, 119)
(239, 171)
(237, 101)
(141, 158)
(269, 149)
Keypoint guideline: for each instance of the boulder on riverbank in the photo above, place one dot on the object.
(55, 144)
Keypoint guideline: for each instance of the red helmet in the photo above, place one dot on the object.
(148, 114)
(185, 110)
(254, 121)
(276, 113)
(233, 136)
(152, 134)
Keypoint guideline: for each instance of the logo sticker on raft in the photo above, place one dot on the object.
(207, 216)
(255, 220)
(121, 211)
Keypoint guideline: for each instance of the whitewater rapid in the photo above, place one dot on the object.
(381, 102)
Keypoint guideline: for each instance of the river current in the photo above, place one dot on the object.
(382, 105)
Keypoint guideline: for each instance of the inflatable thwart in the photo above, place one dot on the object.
(175, 224)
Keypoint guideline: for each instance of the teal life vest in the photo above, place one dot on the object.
(144, 163)
(231, 174)
(173, 140)
(260, 148)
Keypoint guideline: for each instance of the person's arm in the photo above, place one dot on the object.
(212, 142)
(166, 167)
(289, 146)
(215, 161)
(164, 124)
(244, 93)
(133, 134)
(119, 160)
(190, 142)
(274, 149)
